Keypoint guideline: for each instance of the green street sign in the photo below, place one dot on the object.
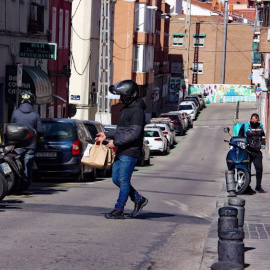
(38, 50)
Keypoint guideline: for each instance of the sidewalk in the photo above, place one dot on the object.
(257, 219)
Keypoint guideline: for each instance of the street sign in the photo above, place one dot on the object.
(19, 75)
(38, 50)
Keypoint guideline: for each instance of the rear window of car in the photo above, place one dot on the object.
(149, 133)
(54, 130)
(172, 117)
(185, 107)
(92, 129)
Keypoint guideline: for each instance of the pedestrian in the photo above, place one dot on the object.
(256, 141)
(128, 140)
(27, 116)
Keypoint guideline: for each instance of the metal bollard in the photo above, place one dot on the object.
(230, 183)
(227, 219)
(239, 204)
(231, 246)
(227, 266)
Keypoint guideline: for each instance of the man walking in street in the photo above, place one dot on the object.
(128, 139)
(27, 116)
(256, 140)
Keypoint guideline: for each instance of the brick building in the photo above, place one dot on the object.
(140, 51)
(209, 42)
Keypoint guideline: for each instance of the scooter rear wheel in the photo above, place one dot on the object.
(3, 187)
(243, 181)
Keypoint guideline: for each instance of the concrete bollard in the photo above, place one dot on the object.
(227, 219)
(239, 204)
(230, 183)
(227, 266)
(231, 246)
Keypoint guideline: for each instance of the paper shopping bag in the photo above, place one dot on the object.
(98, 156)
(86, 155)
(110, 157)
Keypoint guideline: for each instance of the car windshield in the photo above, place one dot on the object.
(150, 133)
(57, 130)
(185, 107)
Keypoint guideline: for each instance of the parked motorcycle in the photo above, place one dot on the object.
(238, 161)
(11, 161)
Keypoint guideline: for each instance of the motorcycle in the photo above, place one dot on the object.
(238, 161)
(11, 160)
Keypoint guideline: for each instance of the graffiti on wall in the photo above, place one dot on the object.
(224, 92)
(174, 89)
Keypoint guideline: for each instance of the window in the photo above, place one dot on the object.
(66, 29)
(197, 68)
(36, 20)
(54, 25)
(143, 58)
(198, 40)
(178, 39)
(60, 40)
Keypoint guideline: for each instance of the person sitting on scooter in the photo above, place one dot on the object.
(27, 116)
(256, 141)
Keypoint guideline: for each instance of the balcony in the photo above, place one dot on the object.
(257, 58)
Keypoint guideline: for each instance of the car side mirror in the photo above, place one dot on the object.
(226, 129)
(146, 141)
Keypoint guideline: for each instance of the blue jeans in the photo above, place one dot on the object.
(123, 167)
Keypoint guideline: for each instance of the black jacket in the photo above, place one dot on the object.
(255, 136)
(128, 136)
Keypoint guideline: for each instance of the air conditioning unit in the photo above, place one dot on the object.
(268, 35)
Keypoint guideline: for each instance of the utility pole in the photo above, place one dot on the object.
(224, 42)
(103, 114)
(187, 32)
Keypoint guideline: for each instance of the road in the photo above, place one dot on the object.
(62, 225)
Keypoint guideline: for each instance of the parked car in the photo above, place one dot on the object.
(189, 119)
(201, 98)
(59, 152)
(145, 158)
(157, 142)
(94, 127)
(178, 121)
(195, 100)
(188, 107)
(165, 129)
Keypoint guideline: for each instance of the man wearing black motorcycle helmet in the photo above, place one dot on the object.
(256, 141)
(128, 139)
(27, 116)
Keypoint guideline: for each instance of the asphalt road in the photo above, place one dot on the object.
(62, 225)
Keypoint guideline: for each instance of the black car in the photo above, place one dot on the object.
(59, 152)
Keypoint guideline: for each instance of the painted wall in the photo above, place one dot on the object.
(224, 93)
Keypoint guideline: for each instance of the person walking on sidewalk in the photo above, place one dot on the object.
(256, 141)
(128, 139)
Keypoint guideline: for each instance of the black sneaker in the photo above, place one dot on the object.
(139, 206)
(115, 214)
(260, 190)
(249, 191)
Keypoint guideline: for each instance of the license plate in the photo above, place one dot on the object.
(46, 154)
(5, 168)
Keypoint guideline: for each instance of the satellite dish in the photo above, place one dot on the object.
(72, 110)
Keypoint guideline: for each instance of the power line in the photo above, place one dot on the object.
(76, 9)
(79, 35)
(72, 58)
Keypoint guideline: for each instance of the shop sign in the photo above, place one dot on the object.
(38, 50)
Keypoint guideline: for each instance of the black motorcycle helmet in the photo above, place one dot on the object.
(26, 97)
(127, 89)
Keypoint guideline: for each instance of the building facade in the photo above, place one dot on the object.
(140, 51)
(24, 27)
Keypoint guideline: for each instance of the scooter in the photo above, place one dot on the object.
(238, 161)
(11, 162)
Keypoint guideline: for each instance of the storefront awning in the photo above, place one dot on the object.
(34, 80)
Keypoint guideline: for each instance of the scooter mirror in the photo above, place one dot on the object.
(226, 129)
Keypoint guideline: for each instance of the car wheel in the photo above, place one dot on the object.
(168, 149)
(142, 160)
(147, 162)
